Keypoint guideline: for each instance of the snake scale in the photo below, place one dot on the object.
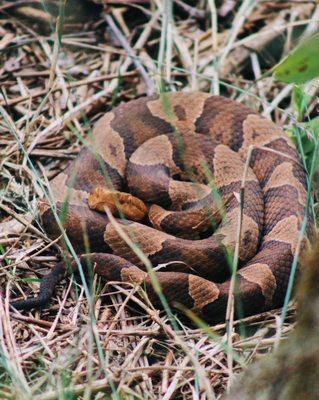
(182, 157)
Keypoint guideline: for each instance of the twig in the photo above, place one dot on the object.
(33, 95)
(131, 53)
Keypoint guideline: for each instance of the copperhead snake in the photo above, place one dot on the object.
(182, 157)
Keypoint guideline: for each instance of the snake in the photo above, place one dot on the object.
(200, 186)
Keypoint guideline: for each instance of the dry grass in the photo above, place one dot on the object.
(51, 94)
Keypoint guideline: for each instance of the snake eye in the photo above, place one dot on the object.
(177, 177)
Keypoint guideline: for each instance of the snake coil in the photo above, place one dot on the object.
(184, 155)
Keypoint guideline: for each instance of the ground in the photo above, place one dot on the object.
(57, 77)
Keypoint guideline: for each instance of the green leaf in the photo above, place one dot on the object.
(302, 64)
(301, 100)
(29, 280)
(313, 125)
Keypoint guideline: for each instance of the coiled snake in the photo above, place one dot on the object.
(182, 155)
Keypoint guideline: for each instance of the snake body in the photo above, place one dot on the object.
(184, 155)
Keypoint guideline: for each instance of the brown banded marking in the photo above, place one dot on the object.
(156, 215)
(109, 146)
(259, 132)
(186, 192)
(181, 113)
(263, 276)
(273, 207)
(202, 291)
(227, 165)
(139, 234)
(158, 150)
(133, 275)
(185, 224)
(136, 124)
(62, 192)
(282, 174)
(229, 234)
(286, 231)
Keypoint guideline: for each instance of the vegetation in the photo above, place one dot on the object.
(62, 65)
